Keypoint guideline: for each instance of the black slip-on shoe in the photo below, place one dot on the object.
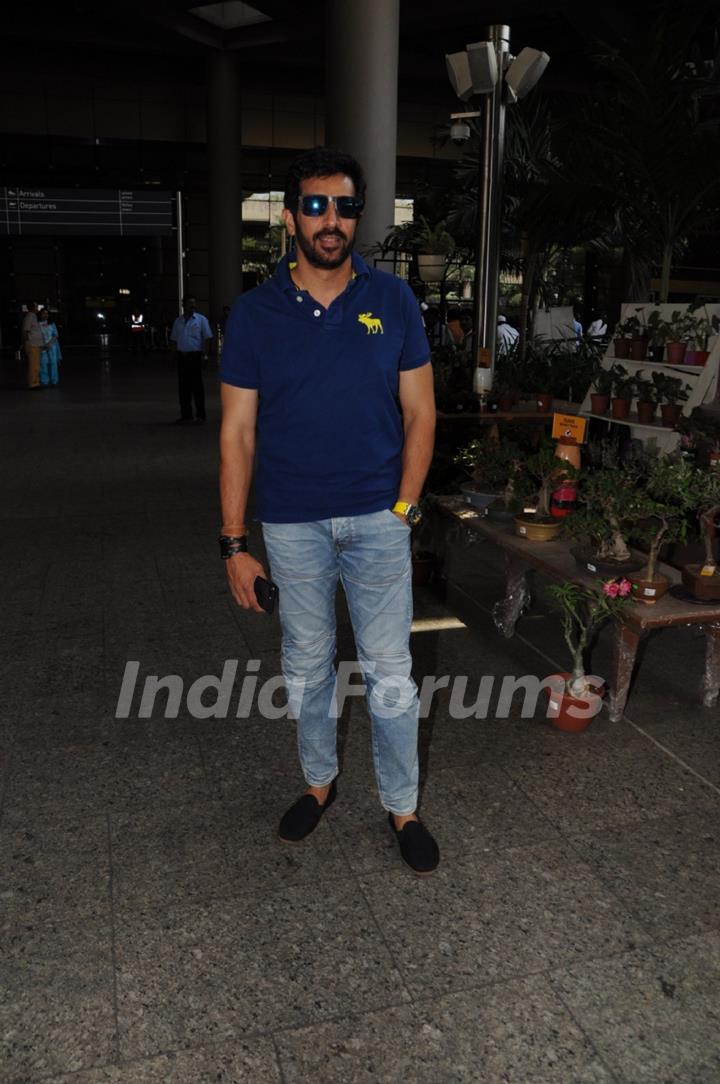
(417, 846)
(303, 818)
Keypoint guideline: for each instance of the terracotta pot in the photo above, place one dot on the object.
(649, 591)
(670, 413)
(638, 349)
(646, 413)
(570, 713)
(536, 530)
(656, 354)
(696, 357)
(599, 403)
(543, 402)
(706, 588)
(620, 408)
(675, 352)
(714, 460)
(621, 348)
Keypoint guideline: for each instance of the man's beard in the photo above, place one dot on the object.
(316, 257)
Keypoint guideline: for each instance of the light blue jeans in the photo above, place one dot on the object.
(370, 555)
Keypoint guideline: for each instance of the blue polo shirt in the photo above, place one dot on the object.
(329, 429)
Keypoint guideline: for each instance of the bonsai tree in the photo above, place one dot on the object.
(543, 472)
(494, 466)
(584, 610)
(707, 508)
(611, 502)
(671, 487)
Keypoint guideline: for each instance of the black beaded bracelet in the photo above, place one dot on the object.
(232, 544)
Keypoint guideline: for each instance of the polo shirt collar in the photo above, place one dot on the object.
(287, 263)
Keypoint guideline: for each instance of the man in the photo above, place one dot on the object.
(316, 361)
(32, 340)
(507, 336)
(190, 335)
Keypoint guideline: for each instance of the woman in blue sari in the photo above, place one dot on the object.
(51, 352)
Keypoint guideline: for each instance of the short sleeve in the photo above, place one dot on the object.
(239, 365)
(416, 348)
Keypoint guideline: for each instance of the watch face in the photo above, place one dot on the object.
(413, 515)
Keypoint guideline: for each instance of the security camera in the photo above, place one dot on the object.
(459, 132)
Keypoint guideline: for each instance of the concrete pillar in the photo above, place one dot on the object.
(361, 60)
(224, 183)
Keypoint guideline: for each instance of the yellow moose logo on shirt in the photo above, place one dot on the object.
(373, 324)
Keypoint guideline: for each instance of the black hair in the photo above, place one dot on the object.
(321, 162)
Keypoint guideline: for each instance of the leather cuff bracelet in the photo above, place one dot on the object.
(231, 544)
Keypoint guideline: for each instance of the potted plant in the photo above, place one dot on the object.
(623, 389)
(601, 391)
(611, 501)
(584, 609)
(646, 393)
(542, 471)
(494, 468)
(703, 326)
(621, 339)
(535, 375)
(636, 330)
(680, 328)
(657, 331)
(701, 436)
(671, 488)
(430, 244)
(703, 580)
(671, 392)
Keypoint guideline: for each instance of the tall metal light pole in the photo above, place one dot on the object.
(486, 69)
(487, 256)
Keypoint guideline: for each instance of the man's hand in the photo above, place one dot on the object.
(242, 570)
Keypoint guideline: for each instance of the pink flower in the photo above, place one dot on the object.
(611, 588)
(624, 588)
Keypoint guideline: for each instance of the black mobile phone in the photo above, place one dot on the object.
(266, 592)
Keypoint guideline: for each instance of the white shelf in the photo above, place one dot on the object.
(632, 419)
(661, 366)
(702, 379)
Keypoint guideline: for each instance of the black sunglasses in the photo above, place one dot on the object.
(346, 206)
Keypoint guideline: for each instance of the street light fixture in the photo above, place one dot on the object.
(486, 71)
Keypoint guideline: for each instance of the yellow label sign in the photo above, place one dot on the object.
(569, 425)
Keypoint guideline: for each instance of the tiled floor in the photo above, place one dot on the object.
(152, 928)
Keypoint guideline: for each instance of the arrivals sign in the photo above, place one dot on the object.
(43, 212)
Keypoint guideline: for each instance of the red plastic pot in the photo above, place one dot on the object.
(674, 353)
(543, 402)
(621, 348)
(638, 349)
(670, 413)
(620, 408)
(599, 403)
(570, 713)
(646, 413)
(696, 357)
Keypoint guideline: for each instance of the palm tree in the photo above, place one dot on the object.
(547, 207)
(649, 135)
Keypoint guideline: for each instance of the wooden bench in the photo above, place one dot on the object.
(555, 560)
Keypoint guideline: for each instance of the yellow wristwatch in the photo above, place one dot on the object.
(411, 512)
